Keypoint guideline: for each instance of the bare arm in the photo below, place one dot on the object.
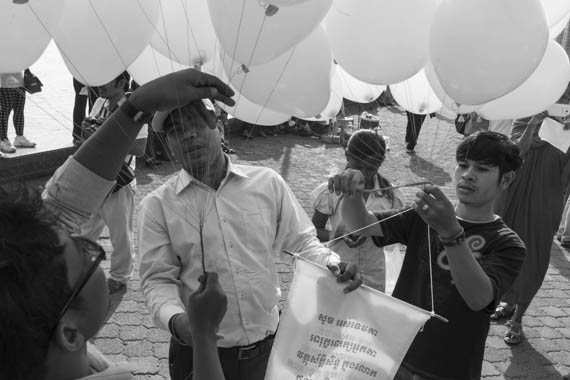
(104, 152)
(352, 207)
(470, 279)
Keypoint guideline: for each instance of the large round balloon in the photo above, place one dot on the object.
(23, 31)
(244, 109)
(252, 37)
(184, 32)
(542, 89)
(150, 65)
(296, 83)
(442, 96)
(380, 41)
(285, 3)
(556, 10)
(100, 39)
(331, 109)
(416, 95)
(354, 89)
(483, 49)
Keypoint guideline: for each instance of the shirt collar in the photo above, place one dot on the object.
(185, 179)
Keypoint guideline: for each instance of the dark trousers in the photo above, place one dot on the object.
(80, 105)
(413, 127)
(246, 363)
(12, 99)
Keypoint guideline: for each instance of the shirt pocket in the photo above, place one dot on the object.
(258, 227)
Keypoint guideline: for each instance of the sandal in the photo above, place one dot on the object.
(565, 244)
(504, 310)
(514, 334)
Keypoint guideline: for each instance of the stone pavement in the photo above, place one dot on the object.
(305, 162)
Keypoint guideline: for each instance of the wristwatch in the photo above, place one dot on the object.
(455, 240)
(134, 113)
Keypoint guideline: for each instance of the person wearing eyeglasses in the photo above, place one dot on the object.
(53, 294)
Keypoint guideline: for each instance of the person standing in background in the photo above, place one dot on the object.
(12, 98)
(82, 95)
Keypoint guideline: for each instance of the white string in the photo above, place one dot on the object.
(430, 270)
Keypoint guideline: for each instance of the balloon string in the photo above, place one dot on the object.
(365, 227)
(395, 187)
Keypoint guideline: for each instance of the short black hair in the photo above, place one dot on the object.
(33, 282)
(366, 143)
(127, 77)
(491, 148)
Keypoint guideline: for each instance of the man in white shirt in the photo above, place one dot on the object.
(226, 218)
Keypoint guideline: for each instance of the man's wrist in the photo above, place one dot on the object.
(178, 327)
(139, 102)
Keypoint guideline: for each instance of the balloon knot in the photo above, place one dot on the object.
(270, 10)
(245, 69)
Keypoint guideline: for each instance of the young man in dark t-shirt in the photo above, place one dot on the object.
(475, 257)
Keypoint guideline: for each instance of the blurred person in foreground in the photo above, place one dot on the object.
(53, 293)
(475, 257)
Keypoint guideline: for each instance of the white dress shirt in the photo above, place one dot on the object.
(249, 219)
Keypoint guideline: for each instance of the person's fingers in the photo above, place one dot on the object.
(222, 89)
(334, 268)
(337, 184)
(435, 192)
(331, 184)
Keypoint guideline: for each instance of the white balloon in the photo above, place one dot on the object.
(244, 109)
(380, 41)
(285, 3)
(556, 10)
(443, 97)
(184, 32)
(542, 89)
(331, 110)
(150, 65)
(252, 38)
(23, 32)
(100, 39)
(484, 49)
(354, 89)
(416, 95)
(296, 83)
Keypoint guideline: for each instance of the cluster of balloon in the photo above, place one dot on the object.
(301, 57)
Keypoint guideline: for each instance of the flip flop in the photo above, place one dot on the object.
(514, 334)
(504, 310)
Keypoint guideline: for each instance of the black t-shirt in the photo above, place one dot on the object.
(452, 350)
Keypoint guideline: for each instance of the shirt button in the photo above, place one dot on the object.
(231, 245)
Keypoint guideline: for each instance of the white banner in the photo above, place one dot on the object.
(325, 334)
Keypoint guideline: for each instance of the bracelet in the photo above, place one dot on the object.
(173, 333)
(455, 240)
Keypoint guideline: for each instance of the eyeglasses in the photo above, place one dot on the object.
(96, 254)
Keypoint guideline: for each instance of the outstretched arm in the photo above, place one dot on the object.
(470, 279)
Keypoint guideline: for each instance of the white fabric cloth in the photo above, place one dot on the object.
(117, 213)
(66, 191)
(369, 258)
(252, 217)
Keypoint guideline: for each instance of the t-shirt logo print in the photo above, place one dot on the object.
(475, 242)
